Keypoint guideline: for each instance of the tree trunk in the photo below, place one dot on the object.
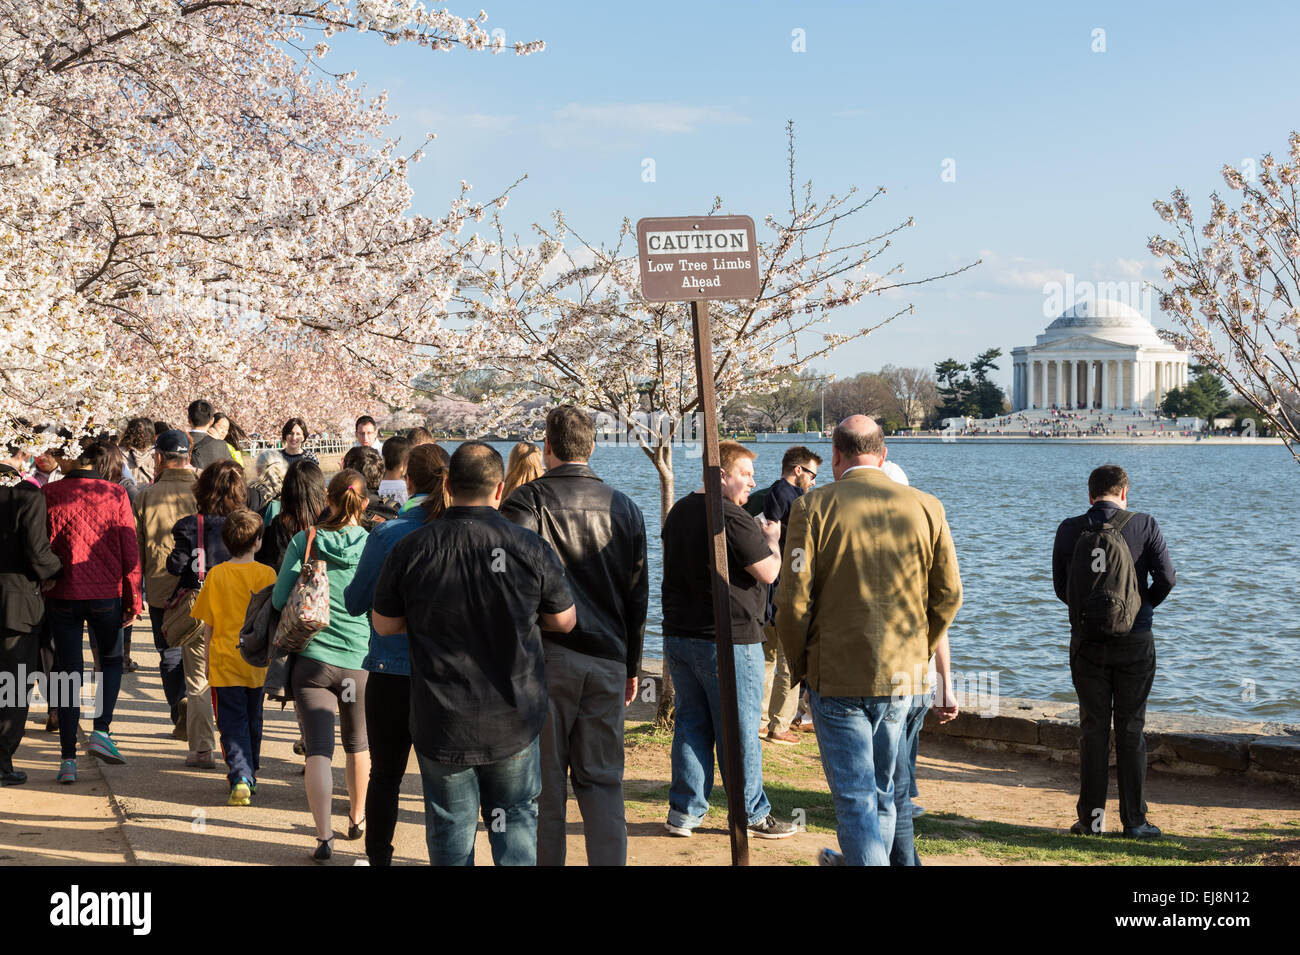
(662, 456)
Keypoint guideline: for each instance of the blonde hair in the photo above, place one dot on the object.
(525, 465)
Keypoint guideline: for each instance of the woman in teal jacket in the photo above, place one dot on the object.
(327, 676)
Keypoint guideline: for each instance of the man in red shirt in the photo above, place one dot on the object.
(92, 531)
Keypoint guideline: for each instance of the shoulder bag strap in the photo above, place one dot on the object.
(203, 554)
(1119, 520)
(311, 542)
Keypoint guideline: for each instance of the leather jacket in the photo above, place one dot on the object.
(599, 534)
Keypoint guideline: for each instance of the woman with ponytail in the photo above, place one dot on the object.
(327, 677)
(388, 687)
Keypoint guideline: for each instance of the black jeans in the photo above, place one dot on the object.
(1113, 678)
(103, 618)
(19, 660)
(388, 725)
(171, 663)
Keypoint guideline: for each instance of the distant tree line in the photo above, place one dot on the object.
(900, 398)
(1206, 396)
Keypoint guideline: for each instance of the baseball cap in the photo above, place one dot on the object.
(174, 441)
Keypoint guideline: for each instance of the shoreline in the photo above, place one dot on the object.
(1079, 439)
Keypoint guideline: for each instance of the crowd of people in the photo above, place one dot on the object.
(491, 616)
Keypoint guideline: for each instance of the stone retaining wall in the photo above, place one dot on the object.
(1177, 743)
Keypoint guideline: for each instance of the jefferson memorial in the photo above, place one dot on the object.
(1098, 354)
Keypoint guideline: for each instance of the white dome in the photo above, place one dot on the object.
(1107, 319)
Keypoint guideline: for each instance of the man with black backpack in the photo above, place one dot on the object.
(1101, 563)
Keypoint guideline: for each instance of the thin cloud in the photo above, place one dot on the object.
(647, 117)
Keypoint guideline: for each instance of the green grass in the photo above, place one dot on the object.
(792, 777)
(950, 834)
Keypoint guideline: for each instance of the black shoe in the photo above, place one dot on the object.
(14, 777)
(300, 748)
(1144, 831)
(181, 730)
(324, 849)
(356, 829)
(1082, 829)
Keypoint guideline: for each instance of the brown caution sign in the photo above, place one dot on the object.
(697, 258)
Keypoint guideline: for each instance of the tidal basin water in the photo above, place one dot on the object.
(1227, 637)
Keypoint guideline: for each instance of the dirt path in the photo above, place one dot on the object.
(160, 812)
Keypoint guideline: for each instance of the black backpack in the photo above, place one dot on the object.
(1103, 586)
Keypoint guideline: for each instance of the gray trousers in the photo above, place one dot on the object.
(583, 738)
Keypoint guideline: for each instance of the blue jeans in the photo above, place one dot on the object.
(904, 851)
(238, 712)
(103, 618)
(507, 793)
(697, 728)
(859, 738)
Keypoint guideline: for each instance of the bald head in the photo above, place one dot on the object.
(858, 440)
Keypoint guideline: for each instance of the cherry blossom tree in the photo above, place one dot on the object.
(156, 156)
(565, 317)
(1234, 288)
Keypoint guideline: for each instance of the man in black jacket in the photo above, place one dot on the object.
(207, 449)
(1115, 675)
(591, 676)
(26, 561)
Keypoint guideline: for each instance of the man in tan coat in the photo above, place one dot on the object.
(157, 509)
(869, 585)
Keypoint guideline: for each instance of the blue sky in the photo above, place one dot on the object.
(1058, 150)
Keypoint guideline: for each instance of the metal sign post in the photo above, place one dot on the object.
(698, 259)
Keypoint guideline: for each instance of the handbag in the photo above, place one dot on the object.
(179, 628)
(307, 611)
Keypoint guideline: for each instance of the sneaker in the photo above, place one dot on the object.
(680, 831)
(201, 760)
(772, 828)
(101, 745)
(67, 771)
(829, 857)
(241, 794)
(786, 739)
(1081, 828)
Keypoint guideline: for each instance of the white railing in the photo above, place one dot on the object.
(317, 446)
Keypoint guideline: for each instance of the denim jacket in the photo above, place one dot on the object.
(387, 654)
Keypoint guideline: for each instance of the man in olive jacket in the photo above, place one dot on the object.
(157, 509)
(869, 585)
